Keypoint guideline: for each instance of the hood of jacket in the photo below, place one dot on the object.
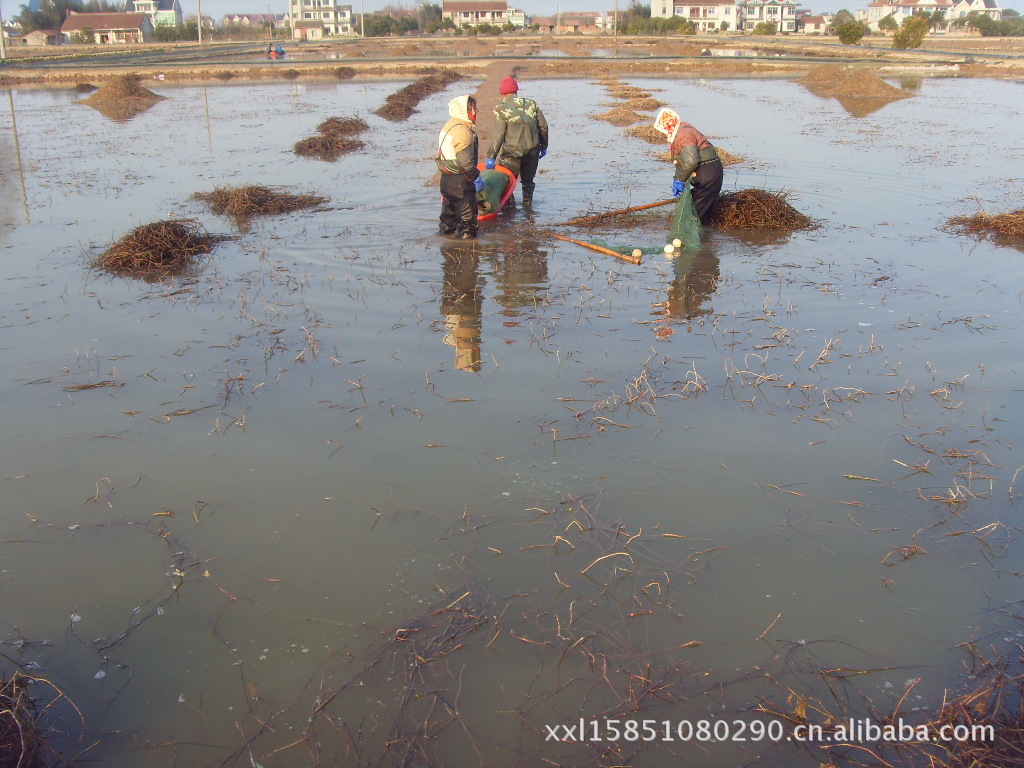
(459, 108)
(667, 121)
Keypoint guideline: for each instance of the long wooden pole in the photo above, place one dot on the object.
(609, 214)
(607, 251)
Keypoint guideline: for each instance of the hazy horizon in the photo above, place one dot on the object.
(219, 8)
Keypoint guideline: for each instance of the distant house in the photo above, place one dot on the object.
(579, 22)
(989, 8)
(308, 30)
(706, 15)
(901, 9)
(813, 25)
(780, 12)
(110, 28)
(44, 37)
(162, 13)
(335, 18)
(469, 13)
(250, 20)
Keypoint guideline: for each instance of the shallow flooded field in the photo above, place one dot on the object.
(356, 494)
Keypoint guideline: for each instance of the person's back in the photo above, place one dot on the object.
(522, 126)
(520, 137)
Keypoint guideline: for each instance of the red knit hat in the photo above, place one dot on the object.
(509, 85)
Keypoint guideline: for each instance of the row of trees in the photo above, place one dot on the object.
(635, 20)
(911, 32)
(51, 13)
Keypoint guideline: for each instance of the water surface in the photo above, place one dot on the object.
(354, 484)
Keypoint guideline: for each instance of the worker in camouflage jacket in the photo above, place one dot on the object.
(520, 136)
(696, 160)
(458, 152)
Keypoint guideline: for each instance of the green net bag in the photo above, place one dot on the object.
(685, 224)
(495, 184)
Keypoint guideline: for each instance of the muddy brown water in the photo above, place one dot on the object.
(353, 485)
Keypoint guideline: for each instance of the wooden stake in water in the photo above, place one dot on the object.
(600, 249)
(609, 214)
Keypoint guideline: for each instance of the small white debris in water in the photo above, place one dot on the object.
(99, 675)
(637, 253)
(75, 618)
(669, 247)
(864, 325)
(677, 242)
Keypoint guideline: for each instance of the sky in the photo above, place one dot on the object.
(218, 8)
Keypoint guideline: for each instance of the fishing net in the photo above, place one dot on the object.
(495, 184)
(685, 227)
(625, 249)
(685, 224)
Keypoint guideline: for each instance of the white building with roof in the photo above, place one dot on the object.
(469, 13)
(899, 10)
(781, 12)
(962, 8)
(331, 17)
(706, 15)
(162, 13)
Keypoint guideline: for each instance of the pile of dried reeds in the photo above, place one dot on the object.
(344, 73)
(21, 743)
(628, 92)
(824, 77)
(223, 74)
(333, 139)
(621, 116)
(727, 158)
(402, 103)
(1008, 225)
(757, 209)
(290, 74)
(648, 133)
(122, 98)
(160, 249)
(253, 200)
(85, 88)
(861, 84)
(342, 126)
(646, 104)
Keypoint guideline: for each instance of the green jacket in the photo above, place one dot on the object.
(519, 128)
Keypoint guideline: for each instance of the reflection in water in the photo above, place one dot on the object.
(6, 172)
(911, 82)
(520, 273)
(860, 107)
(696, 276)
(462, 303)
(120, 111)
(209, 133)
(759, 238)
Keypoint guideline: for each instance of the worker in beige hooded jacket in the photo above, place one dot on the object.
(457, 157)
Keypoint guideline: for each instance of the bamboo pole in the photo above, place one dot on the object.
(609, 214)
(607, 251)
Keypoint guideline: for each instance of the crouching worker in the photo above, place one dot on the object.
(457, 158)
(695, 159)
